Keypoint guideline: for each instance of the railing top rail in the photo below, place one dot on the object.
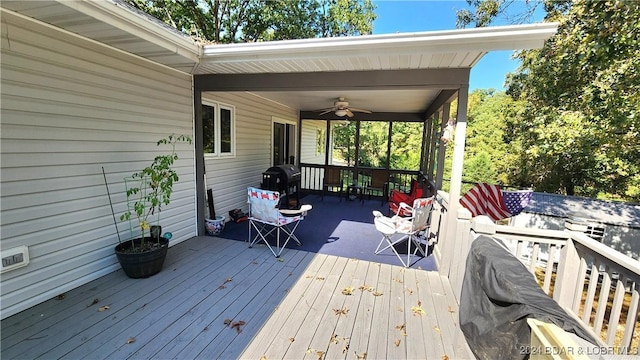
(604, 251)
(443, 198)
(543, 234)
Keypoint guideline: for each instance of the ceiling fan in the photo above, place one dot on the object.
(341, 108)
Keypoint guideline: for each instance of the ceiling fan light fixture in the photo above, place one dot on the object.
(341, 112)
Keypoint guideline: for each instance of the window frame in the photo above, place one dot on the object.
(217, 128)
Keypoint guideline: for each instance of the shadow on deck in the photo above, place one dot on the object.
(291, 308)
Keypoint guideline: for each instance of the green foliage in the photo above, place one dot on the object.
(151, 188)
(572, 126)
(374, 137)
(483, 12)
(581, 96)
(231, 21)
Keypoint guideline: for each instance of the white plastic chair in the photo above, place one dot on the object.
(265, 218)
(408, 228)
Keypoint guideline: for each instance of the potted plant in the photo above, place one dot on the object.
(147, 191)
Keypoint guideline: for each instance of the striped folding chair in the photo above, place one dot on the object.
(397, 229)
(268, 221)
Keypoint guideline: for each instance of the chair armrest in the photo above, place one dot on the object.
(292, 212)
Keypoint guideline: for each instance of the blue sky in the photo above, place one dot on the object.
(425, 15)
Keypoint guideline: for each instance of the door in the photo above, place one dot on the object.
(284, 142)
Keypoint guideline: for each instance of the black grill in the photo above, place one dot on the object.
(285, 179)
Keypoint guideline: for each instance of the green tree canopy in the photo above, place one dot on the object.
(574, 121)
(231, 21)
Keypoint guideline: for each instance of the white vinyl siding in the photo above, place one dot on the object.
(312, 148)
(71, 106)
(230, 177)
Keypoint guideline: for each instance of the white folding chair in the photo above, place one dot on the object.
(265, 218)
(408, 228)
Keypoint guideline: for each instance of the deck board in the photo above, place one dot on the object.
(287, 306)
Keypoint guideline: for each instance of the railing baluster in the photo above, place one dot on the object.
(616, 308)
(603, 298)
(549, 270)
(632, 316)
(519, 250)
(582, 274)
(591, 292)
(534, 258)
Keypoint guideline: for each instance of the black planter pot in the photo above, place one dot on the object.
(142, 264)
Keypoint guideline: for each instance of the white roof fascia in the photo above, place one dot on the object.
(111, 13)
(477, 39)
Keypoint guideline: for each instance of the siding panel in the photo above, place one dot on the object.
(229, 177)
(69, 107)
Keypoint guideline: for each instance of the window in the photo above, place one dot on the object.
(218, 129)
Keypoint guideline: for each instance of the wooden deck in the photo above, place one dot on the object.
(294, 308)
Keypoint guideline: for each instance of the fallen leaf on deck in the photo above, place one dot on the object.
(418, 310)
(342, 311)
(290, 273)
(345, 348)
(334, 339)
(228, 280)
(205, 328)
(263, 357)
(360, 356)
(237, 325)
(436, 329)
(292, 339)
(222, 287)
(377, 293)
(281, 259)
(131, 340)
(451, 310)
(227, 321)
(419, 303)
(103, 308)
(347, 291)
(398, 280)
(95, 301)
(319, 278)
(61, 296)
(366, 287)
(445, 357)
(320, 354)
(397, 342)
(410, 291)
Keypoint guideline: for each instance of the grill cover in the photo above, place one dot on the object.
(498, 295)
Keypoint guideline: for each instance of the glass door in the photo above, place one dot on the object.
(284, 142)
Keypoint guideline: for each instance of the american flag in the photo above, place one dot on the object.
(490, 200)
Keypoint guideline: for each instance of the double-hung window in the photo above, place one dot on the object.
(218, 129)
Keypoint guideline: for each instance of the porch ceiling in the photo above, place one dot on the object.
(116, 24)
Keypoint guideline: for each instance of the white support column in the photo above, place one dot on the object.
(456, 169)
(458, 150)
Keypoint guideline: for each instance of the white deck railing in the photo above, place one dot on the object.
(598, 285)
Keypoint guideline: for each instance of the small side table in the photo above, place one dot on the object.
(355, 191)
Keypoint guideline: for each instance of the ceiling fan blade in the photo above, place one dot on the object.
(349, 113)
(325, 111)
(360, 110)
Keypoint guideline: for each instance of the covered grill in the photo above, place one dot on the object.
(285, 179)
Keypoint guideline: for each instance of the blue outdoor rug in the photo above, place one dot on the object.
(339, 228)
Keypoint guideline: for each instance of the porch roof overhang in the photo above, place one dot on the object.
(402, 75)
(332, 64)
